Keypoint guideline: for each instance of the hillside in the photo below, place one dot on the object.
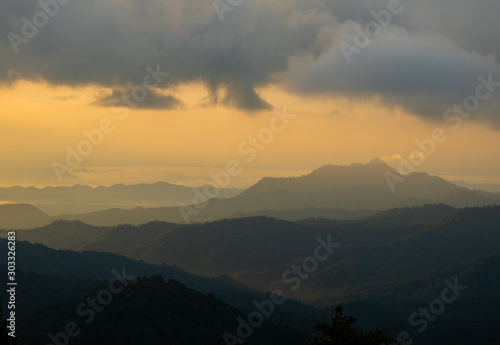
(22, 216)
(471, 319)
(46, 267)
(151, 311)
(395, 244)
(387, 267)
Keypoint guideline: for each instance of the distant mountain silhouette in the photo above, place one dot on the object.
(22, 216)
(353, 187)
(82, 199)
(487, 187)
(135, 216)
(342, 192)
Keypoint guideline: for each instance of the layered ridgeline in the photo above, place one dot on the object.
(354, 187)
(386, 268)
(335, 192)
(257, 252)
(81, 199)
(50, 277)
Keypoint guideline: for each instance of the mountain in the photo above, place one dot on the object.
(407, 215)
(354, 187)
(296, 214)
(55, 276)
(22, 216)
(492, 188)
(396, 244)
(41, 290)
(440, 245)
(150, 311)
(135, 216)
(388, 266)
(343, 192)
(470, 319)
(215, 242)
(83, 199)
(62, 234)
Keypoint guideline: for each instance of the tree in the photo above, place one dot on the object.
(341, 332)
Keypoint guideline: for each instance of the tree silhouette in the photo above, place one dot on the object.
(341, 332)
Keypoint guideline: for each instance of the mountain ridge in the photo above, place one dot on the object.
(342, 189)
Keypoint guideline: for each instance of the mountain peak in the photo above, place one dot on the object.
(376, 163)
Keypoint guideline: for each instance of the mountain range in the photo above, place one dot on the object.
(339, 235)
(390, 245)
(335, 192)
(82, 199)
(386, 267)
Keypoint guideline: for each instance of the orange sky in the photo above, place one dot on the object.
(38, 122)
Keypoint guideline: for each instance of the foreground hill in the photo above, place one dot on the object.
(472, 318)
(39, 290)
(151, 311)
(49, 276)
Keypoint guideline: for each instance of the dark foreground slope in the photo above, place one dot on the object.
(151, 312)
(468, 317)
(47, 276)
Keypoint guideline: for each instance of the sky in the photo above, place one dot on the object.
(100, 92)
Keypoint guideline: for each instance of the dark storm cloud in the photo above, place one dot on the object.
(425, 75)
(471, 25)
(111, 42)
(152, 100)
(428, 57)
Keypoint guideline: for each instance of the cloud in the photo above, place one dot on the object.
(110, 43)
(471, 26)
(153, 100)
(388, 158)
(64, 98)
(419, 156)
(428, 58)
(426, 75)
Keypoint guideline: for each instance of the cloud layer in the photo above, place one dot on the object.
(427, 58)
(111, 42)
